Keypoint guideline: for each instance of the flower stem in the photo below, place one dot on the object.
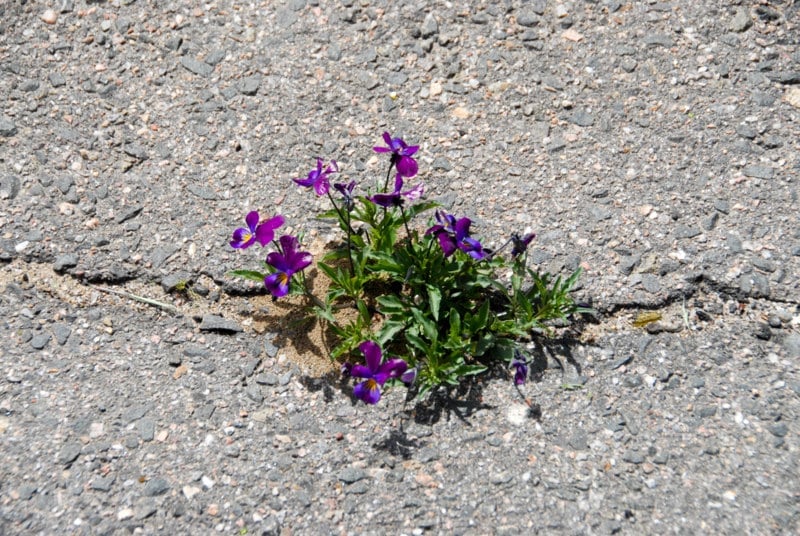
(349, 229)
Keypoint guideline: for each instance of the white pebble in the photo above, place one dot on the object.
(49, 16)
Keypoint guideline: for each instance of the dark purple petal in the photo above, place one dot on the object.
(473, 248)
(409, 377)
(265, 232)
(347, 369)
(252, 220)
(521, 243)
(306, 182)
(278, 261)
(520, 371)
(372, 354)
(461, 228)
(381, 149)
(277, 284)
(242, 238)
(386, 200)
(447, 243)
(394, 368)
(298, 260)
(367, 391)
(410, 150)
(435, 230)
(360, 371)
(406, 166)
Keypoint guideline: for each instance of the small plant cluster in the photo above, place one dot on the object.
(439, 300)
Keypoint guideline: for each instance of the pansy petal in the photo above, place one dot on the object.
(407, 166)
(462, 228)
(278, 261)
(372, 354)
(410, 150)
(368, 391)
(277, 284)
(447, 243)
(360, 371)
(242, 238)
(288, 244)
(252, 220)
(387, 138)
(381, 149)
(322, 186)
(409, 377)
(415, 193)
(394, 368)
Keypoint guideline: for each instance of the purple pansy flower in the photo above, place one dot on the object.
(347, 193)
(409, 376)
(374, 373)
(520, 368)
(453, 234)
(520, 243)
(318, 177)
(395, 199)
(263, 232)
(286, 264)
(401, 154)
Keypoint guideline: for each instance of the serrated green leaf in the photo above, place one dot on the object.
(435, 299)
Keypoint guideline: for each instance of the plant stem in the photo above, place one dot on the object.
(405, 224)
(349, 229)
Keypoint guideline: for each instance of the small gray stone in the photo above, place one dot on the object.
(334, 52)
(286, 378)
(26, 491)
(741, 21)
(651, 283)
(621, 361)
(39, 341)
(528, 18)
(173, 43)
(135, 150)
(429, 27)
(706, 411)
(7, 127)
(128, 213)
(779, 429)
(254, 393)
(134, 413)
(267, 378)
(57, 79)
(349, 475)
(660, 40)
(62, 333)
(632, 381)
(69, 453)
(582, 118)
(196, 66)
(684, 231)
(754, 285)
(250, 85)
(710, 222)
(147, 429)
(632, 456)
(9, 187)
(156, 486)
(232, 451)
(214, 57)
(791, 343)
(64, 262)
(628, 64)
(217, 323)
(100, 483)
(758, 172)
(172, 282)
(762, 331)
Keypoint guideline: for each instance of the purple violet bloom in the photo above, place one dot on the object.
(401, 154)
(286, 265)
(263, 232)
(520, 243)
(395, 199)
(374, 373)
(409, 376)
(520, 369)
(453, 234)
(318, 178)
(347, 193)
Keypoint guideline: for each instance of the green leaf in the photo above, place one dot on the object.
(435, 299)
(388, 330)
(252, 275)
(417, 342)
(389, 304)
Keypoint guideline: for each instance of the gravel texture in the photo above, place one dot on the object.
(654, 144)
